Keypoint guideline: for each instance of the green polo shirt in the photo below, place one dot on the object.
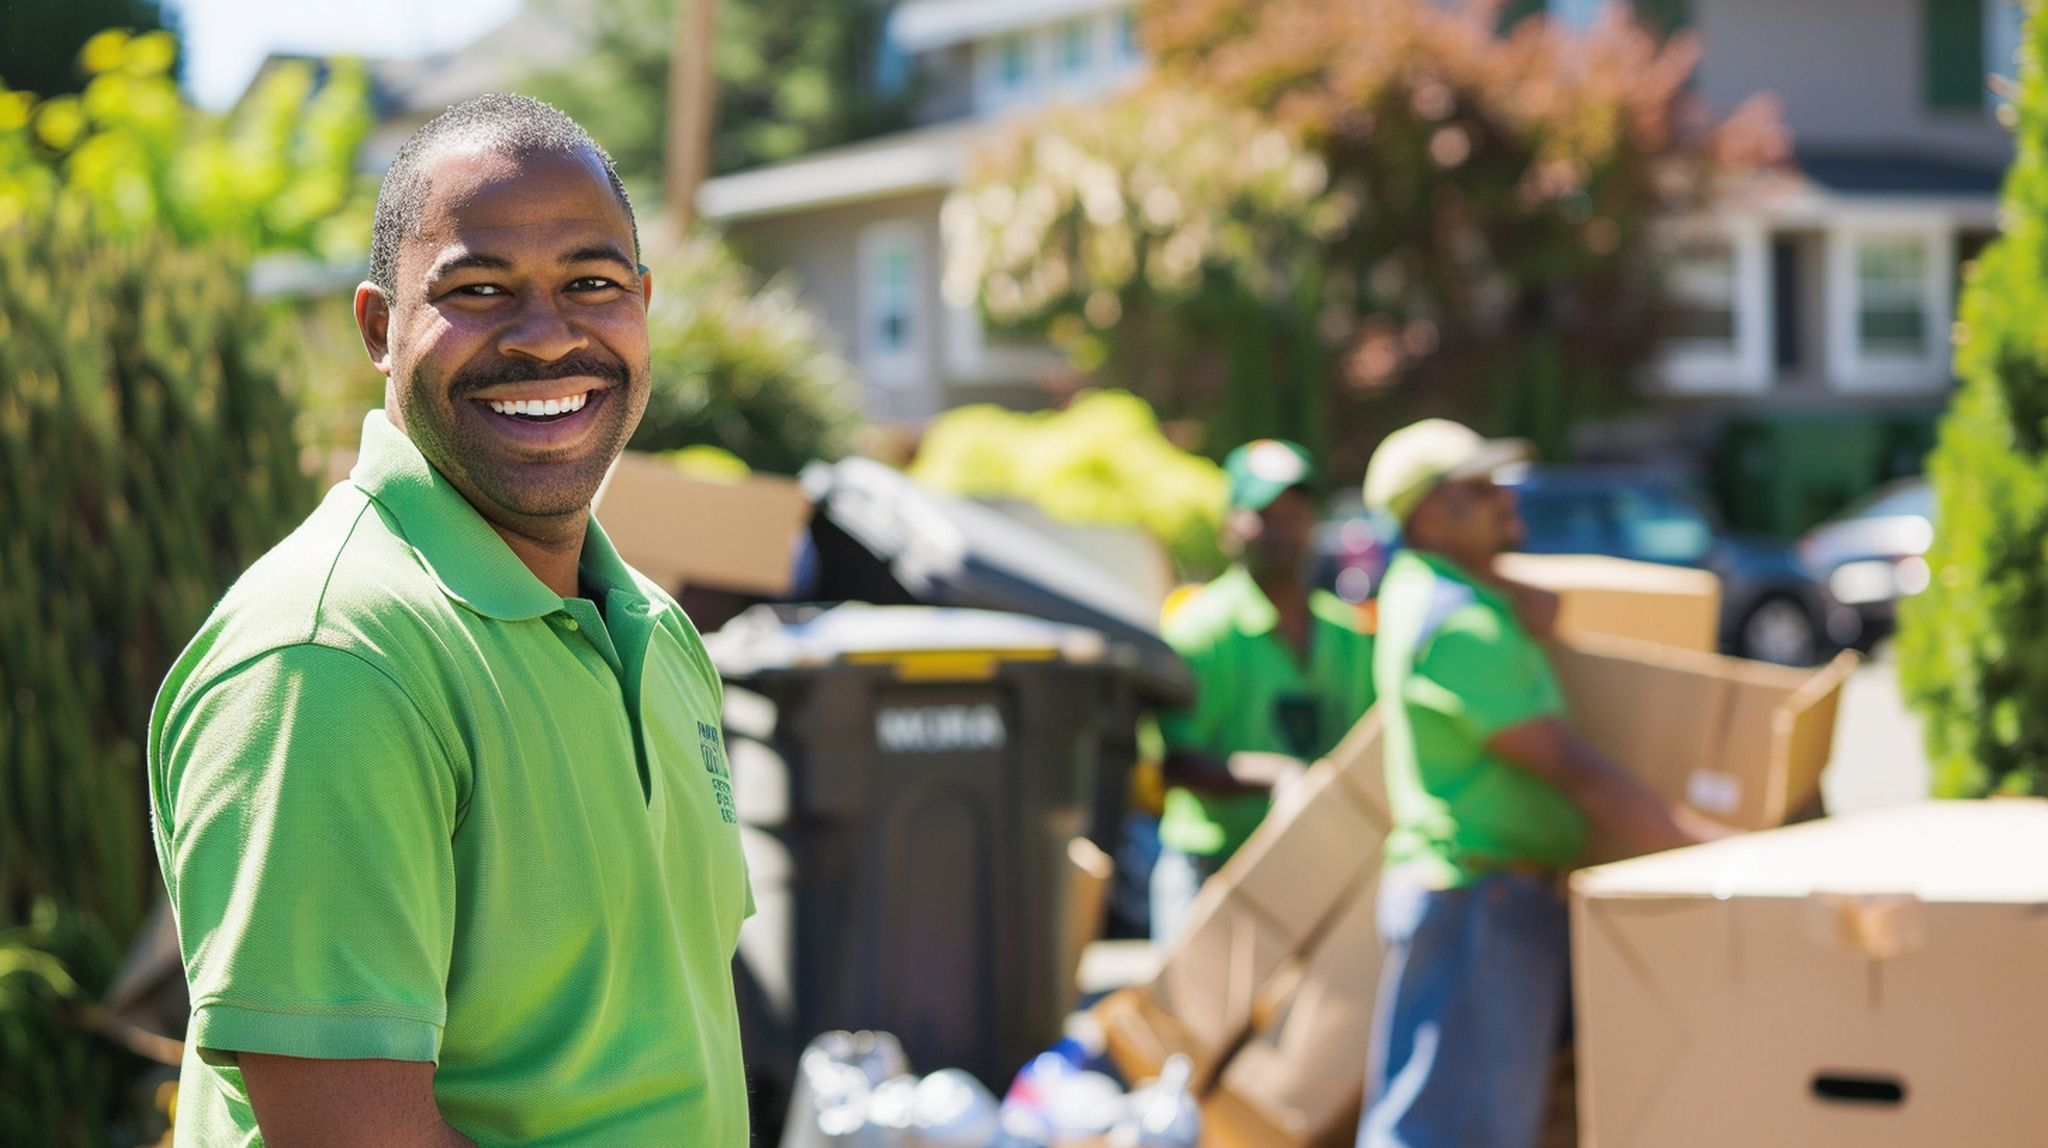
(1463, 668)
(410, 804)
(1252, 693)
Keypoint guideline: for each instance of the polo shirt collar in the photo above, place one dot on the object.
(1446, 568)
(469, 560)
(1251, 612)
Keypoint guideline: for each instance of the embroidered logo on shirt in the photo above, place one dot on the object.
(712, 746)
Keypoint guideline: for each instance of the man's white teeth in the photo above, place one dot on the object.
(537, 408)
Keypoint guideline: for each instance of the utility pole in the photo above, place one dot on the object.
(691, 89)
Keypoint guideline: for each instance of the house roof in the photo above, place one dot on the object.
(1898, 174)
(924, 25)
(924, 159)
(540, 36)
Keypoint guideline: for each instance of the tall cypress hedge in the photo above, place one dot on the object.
(1973, 648)
(147, 455)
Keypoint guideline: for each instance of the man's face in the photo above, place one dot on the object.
(1471, 519)
(1279, 540)
(516, 345)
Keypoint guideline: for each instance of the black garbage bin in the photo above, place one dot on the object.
(908, 780)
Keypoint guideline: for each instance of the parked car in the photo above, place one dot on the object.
(1873, 554)
(1772, 608)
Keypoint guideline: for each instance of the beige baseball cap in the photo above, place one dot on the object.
(1417, 459)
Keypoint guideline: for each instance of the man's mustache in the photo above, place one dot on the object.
(587, 364)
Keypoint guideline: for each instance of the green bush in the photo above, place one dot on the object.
(1970, 650)
(1101, 461)
(739, 365)
(147, 456)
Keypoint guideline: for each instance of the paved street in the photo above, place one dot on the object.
(1879, 756)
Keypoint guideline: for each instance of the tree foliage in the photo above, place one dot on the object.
(1970, 654)
(792, 76)
(1101, 461)
(1475, 237)
(279, 174)
(39, 42)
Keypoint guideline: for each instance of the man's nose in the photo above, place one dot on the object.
(542, 330)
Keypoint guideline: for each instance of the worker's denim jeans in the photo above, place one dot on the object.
(1475, 1001)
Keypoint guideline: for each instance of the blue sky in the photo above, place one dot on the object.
(226, 40)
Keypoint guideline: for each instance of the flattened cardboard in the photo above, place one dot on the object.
(1322, 838)
(1303, 1071)
(1613, 597)
(677, 530)
(1870, 980)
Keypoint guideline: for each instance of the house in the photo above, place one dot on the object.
(859, 225)
(1816, 303)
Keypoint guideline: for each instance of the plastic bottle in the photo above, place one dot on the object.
(1025, 1115)
(1162, 1114)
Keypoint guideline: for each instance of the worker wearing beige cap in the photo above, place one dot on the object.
(1491, 793)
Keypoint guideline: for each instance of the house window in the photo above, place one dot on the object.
(1891, 298)
(1013, 61)
(1718, 290)
(1077, 47)
(891, 342)
(1128, 46)
(1703, 297)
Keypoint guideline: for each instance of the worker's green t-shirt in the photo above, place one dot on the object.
(411, 804)
(1252, 693)
(1463, 669)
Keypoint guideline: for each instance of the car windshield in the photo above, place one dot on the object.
(1912, 498)
(1649, 522)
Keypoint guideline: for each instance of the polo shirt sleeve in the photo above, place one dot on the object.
(310, 812)
(1481, 672)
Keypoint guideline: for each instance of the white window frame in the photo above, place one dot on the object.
(908, 366)
(1853, 369)
(1745, 366)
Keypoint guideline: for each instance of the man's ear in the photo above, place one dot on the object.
(646, 285)
(373, 320)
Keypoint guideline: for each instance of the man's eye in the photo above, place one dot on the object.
(592, 283)
(480, 290)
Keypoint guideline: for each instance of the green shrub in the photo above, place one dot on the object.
(739, 365)
(147, 455)
(1971, 654)
(1101, 461)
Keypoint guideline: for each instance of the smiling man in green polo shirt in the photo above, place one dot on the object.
(1282, 673)
(439, 790)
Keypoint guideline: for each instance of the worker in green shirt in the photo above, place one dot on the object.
(1282, 673)
(439, 791)
(1491, 792)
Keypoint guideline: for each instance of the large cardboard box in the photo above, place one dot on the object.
(1741, 742)
(1873, 980)
(1613, 597)
(681, 530)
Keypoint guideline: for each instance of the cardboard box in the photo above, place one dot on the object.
(1741, 742)
(1301, 1073)
(1613, 597)
(1871, 980)
(677, 529)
